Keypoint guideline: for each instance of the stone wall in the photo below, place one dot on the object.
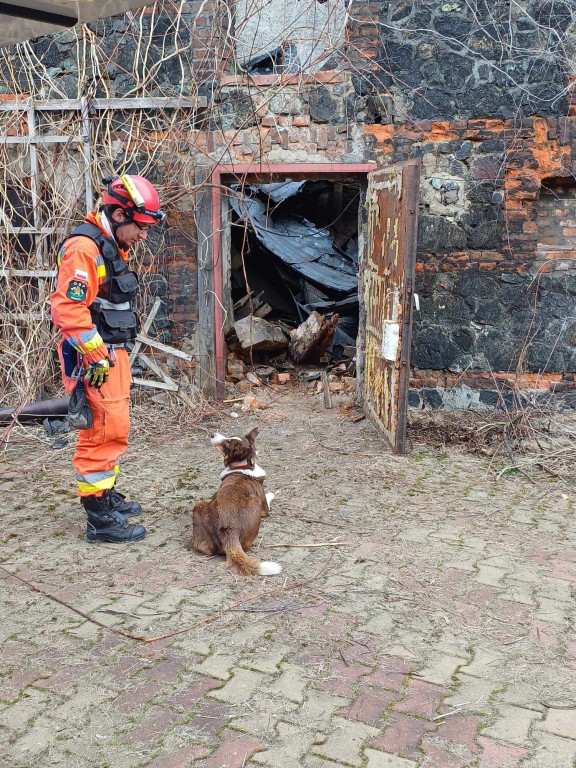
(480, 91)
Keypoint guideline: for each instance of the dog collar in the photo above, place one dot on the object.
(257, 472)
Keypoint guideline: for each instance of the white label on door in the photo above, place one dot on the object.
(390, 340)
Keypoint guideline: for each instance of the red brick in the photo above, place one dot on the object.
(496, 755)
(563, 570)
(166, 671)
(423, 699)
(233, 752)
(442, 758)
(391, 675)
(125, 668)
(66, 680)
(153, 730)
(136, 697)
(403, 735)
(369, 706)
(211, 719)
(194, 692)
(461, 729)
(182, 758)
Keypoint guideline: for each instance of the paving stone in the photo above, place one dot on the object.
(391, 673)
(488, 574)
(520, 695)
(403, 735)
(560, 722)
(152, 731)
(462, 730)
(269, 661)
(36, 740)
(382, 760)
(193, 692)
(291, 746)
(512, 724)
(181, 758)
(440, 670)
(217, 665)
(436, 755)
(463, 563)
(474, 690)
(552, 611)
(498, 755)
(551, 752)
(484, 664)
(165, 671)
(370, 706)
(416, 534)
(209, 720)
(380, 624)
(291, 683)
(240, 687)
(16, 716)
(233, 752)
(519, 592)
(423, 699)
(320, 706)
(136, 697)
(346, 741)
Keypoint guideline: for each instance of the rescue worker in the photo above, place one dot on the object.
(92, 306)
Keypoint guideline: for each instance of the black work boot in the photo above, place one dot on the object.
(106, 524)
(119, 504)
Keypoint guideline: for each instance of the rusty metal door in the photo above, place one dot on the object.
(387, 289)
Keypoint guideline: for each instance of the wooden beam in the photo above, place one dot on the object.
(75, 105)
(35, 139)
(156, 384)
(206, 333)
(164, 348)
(146, 327)
(45, 273)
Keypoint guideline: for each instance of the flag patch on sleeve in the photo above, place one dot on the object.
(81, 275)
(77, 290)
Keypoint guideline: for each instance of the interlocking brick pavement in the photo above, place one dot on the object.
(432, 639)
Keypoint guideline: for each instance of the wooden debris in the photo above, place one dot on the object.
(311, 339)
(326, 390)
(258, 334)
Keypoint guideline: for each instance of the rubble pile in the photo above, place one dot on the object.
(294, 267)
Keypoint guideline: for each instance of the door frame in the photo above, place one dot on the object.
(208, 217)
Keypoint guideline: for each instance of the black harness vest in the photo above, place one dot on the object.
(113, 317)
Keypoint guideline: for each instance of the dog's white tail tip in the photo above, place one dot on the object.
(268, 568)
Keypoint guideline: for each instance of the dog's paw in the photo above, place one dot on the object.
(270, 498)
(268, 568)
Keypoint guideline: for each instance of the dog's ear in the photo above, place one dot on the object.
(251, 436)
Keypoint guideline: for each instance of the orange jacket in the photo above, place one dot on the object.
(81, 272)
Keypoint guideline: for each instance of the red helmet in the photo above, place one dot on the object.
(136, 196)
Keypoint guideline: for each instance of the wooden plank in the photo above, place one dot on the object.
(155, 384)
(85, 119)
(153, 365)
(46, 273)
(71, 105)
(206, 320)
(164, 348)
(9, 230)
(226, 249)
(34, 140)
(146, 327)
(326, 390)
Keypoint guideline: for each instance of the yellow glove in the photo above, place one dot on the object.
(97, 373)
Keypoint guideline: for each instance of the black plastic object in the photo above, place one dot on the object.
(79, 413)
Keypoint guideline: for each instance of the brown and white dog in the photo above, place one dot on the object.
(229, 522)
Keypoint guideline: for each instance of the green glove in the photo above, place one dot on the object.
(97, 373)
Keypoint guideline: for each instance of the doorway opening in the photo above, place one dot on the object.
(292, 261)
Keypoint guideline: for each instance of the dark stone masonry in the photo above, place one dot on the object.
(480, 91)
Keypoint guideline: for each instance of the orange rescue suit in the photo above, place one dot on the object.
(81, 273)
